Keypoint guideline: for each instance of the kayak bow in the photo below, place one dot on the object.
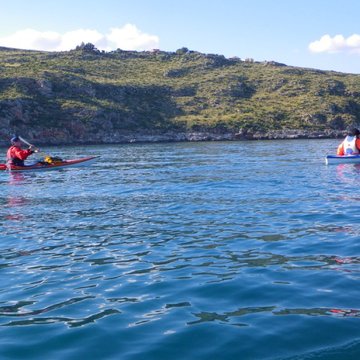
(41, 166)
(345, 159)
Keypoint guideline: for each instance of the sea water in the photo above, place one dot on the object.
(211, 250)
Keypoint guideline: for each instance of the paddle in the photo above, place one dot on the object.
(48, 159)
(37, 150)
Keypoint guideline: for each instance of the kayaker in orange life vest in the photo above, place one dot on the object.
(351, 144)
(16, 155)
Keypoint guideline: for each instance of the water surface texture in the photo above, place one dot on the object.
(214, 250)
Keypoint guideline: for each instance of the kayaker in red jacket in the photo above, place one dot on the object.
(16, 155)
(351, 144)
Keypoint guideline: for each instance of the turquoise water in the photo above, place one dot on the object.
(222, 250)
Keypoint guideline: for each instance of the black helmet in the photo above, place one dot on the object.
(354, 132)
(14, 139)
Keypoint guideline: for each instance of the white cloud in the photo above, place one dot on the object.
(128, 37)
(73, 38)
(32, 39)
(336, 44)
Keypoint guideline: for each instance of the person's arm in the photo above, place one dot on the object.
(340, 150)
(22, 154)
(358, 144)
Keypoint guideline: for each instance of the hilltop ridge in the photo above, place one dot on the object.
(91, 96)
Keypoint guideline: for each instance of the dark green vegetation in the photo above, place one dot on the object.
(91, 95)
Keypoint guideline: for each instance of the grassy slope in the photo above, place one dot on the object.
(161, 90)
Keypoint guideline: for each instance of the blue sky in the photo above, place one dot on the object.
(321, 34)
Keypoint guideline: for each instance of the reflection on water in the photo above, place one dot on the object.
(16, 178)
(15, 200)
(347, 173)
(181, 251)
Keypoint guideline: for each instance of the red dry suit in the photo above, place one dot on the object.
(16, 156)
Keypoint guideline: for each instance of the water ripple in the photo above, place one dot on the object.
(182, 251)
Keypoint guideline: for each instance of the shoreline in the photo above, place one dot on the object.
(124, 137)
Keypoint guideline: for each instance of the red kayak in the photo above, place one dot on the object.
(43, 166)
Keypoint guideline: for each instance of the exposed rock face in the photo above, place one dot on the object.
(106, 126)
(85, 136)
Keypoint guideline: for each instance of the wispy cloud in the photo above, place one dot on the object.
(128, 37)
(336, 44)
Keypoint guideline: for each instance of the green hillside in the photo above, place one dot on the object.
(101, 97)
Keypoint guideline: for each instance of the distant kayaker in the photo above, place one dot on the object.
(351, 144)
(16, 155)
